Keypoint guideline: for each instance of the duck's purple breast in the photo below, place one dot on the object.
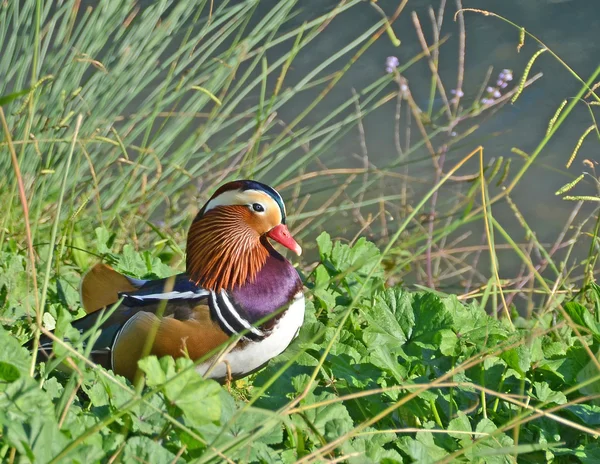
(274, 287)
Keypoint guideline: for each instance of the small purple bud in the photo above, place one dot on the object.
(489, 89)
(389, 70)
(496, 94)
(499, 83)
(504, 85)
(404, 87)
(391, 62)
(485, 101)
(453, 134)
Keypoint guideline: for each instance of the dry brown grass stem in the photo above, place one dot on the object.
(25, 207)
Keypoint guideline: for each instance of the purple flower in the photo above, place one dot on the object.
(458, 92)
(391, 63)
(496, 94)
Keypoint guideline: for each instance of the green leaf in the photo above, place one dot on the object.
(518, 358)
(144, 449)
(431, 316)
(460, 424)
(583, 317)
(103, 240)
(132, 263)
(350, 266)
(8, 372)
(325, 245)
(497, 449)
(448, 342)
(196, 397)
(390, 318)
(6, 99)
(423, 448)
(590, 373)
(588, 414)
(544, 393)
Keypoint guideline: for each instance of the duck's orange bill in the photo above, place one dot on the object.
(282, 235)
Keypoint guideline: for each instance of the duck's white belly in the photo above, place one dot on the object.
(256, 353)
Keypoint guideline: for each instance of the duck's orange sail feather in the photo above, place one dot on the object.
(101, 286)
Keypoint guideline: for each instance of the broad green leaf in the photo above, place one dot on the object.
(448, 342)
(583, 317)
(460, 424)
(390, 318)
(9, 372)
(144, 449)
(431, 317)
(325, 245)
(588, 414)
(590, 373)
(544, 393)
(497, 449)
(103, 240)
(518, 358)
(131, 262)
(196, 397)
(422, 448)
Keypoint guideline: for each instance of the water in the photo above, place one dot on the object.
(568, 27)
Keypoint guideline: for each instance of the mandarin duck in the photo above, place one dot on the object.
(234, 278)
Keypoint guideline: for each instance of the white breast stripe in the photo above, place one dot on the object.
(257, 353)
(213, 297)
(235, 314)
(170, 295)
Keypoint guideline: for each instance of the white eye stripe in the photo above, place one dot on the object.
(231, 197)
(245, 198)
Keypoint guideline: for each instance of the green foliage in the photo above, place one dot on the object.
(442, 379)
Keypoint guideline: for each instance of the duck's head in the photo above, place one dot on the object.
(228, 241)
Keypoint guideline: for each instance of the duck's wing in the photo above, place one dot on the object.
(193, 337)
(174, 308)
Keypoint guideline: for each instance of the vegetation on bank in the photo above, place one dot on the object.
(117, 121)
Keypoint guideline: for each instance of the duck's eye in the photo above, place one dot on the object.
(258, 207)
